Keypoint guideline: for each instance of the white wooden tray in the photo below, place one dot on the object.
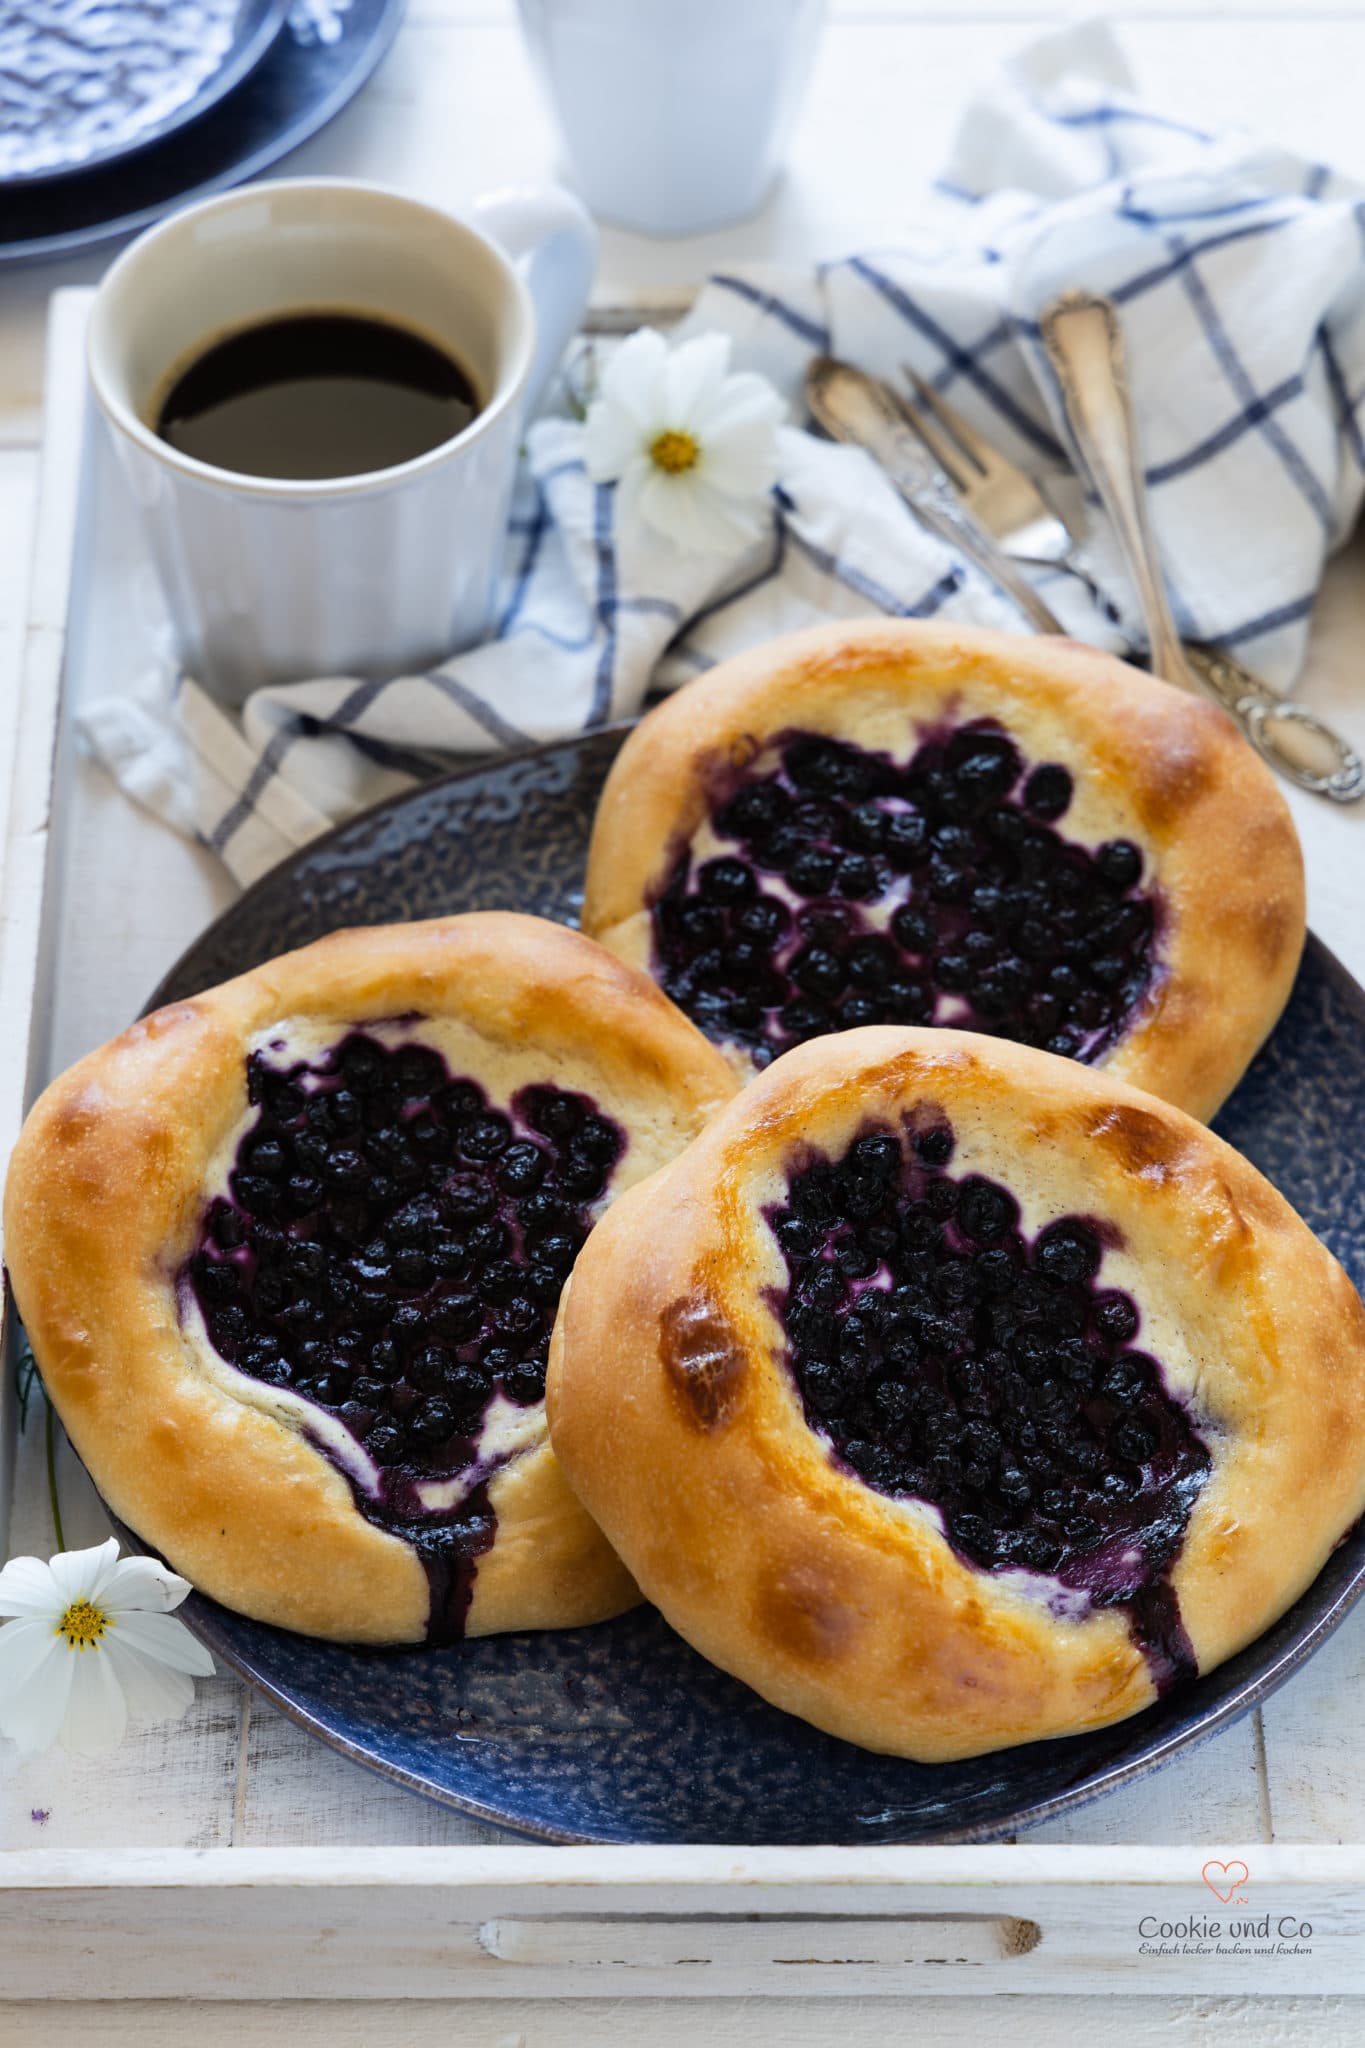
(296, 1875)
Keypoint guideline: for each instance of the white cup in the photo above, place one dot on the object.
(674, 113)
(272, 580)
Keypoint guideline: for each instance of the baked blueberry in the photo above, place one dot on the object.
(984, 1211)
(1047, 792)
(726, 881)
(1067, 1251)
(1116, 1317)
(813, 871)
(1119, 863)
(818, 971)
(934, 1146)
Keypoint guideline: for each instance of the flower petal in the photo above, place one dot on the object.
(167, 1640)
(33, 1715)
(695, 518)
(626, 511)
(744, 398)
(665, 505)
(633, 380)
(143, 1582)
(611, 437)
(83, 1574)
(25, 1647)
(96, 1712)
(744, 462)
(28, 1587)
(151, 1691)
(694, 380)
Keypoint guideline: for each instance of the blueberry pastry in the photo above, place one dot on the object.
(885, 823)
(289, 1256)
(954, 1395)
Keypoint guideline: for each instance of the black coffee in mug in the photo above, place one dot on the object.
(311, 395)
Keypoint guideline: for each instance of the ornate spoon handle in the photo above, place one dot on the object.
(1084, 342)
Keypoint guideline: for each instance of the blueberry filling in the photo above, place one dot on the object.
(946, 1356)
(392, 1249)
(865, 891)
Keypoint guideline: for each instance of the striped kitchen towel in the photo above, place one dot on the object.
(1239, 272)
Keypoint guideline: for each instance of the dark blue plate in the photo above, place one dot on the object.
(621, 1733)
(325, 54)
(83, 84)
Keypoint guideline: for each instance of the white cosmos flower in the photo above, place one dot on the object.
(93, 1644)
(692, 449)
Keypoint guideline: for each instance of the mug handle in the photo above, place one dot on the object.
(552, 244)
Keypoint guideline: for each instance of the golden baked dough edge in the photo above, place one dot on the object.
(844, 1606)
(1231, 871)
(101, 1205)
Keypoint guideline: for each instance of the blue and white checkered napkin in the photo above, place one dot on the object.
(1240, 272)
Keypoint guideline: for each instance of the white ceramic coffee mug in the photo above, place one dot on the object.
(272, 580)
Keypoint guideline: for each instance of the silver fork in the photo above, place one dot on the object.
(1006, 500)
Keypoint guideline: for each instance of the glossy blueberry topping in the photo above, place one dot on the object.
(392, 1248)
(861, 890)
(948, 1357)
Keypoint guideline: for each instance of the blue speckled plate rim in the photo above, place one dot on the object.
(1145, 1760)
(246, 52)
(1142, 1763)
(288, 138)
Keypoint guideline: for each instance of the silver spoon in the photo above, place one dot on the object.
(1084, 343)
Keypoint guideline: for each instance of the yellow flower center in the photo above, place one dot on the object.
(674, 452)
(83, 1625)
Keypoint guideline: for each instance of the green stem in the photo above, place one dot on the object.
(52, 1478)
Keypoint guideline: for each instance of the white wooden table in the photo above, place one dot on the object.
(452, 112)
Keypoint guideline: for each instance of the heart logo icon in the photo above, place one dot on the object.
(1223, 1879)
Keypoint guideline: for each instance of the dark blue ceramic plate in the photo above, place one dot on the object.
(327, 50)
(621, 1733)
(83, 83)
